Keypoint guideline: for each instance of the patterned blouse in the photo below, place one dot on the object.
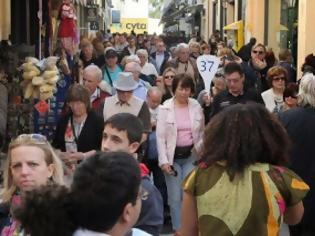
(252, 204)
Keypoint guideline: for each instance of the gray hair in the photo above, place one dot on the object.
(155, 90)
(182, 46)
(94, 69)
(132, 58)
(306, 94)
(143, 52)
(136, 66)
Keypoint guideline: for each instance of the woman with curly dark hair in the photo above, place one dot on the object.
(241, 186)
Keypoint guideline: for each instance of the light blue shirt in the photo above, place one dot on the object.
(141, 91)
(113, 75)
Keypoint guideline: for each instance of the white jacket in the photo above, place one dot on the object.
(166, 129)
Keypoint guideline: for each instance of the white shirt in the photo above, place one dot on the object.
(159, 60)
(149, 69)
(154, 114)
(85, 232)
(94, 95)
(271, 100)
(138, 232)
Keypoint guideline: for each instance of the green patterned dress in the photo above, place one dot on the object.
(252, 204)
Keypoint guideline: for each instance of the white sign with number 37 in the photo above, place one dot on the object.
(207, 67)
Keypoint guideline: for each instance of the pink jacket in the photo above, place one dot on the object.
(166, 130)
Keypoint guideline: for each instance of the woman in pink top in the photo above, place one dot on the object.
(179, 127)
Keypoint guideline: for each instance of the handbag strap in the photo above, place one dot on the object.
(109, 77)
(73, 131)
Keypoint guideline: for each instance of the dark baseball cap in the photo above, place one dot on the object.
(110, 52)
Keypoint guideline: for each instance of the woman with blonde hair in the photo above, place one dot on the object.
(166, 83)
(194, 50)
(31, 163)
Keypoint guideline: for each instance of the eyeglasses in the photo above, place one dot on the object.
(169, 76)
(34, 137)
(291, 96)
(258, 52)
(279, 78)
(122, 91)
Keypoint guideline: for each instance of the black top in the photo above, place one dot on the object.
(300, 125)
(225, 99)
(96, 60)
(90, 137)
(167, 95)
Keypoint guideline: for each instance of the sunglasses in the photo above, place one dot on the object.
(258, 52)
(169, 77)
(278, 78)
(34, 137)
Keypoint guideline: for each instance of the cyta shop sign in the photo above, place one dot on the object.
(135, 26)
(138, 25)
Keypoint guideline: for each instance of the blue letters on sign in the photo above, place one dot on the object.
(205, 65)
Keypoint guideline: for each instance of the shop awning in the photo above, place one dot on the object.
(168, 5)
(234, 26)
(238, 26)
(194, 8)
(173, 16)
(178, 13)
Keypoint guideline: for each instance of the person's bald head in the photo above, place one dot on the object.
(154, 97)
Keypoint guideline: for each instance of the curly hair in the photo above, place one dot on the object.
(46, 211)
(309, 63)
(242, 135)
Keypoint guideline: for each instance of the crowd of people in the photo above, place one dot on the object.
(139, 142)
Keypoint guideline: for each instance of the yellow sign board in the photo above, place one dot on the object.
(138, 25)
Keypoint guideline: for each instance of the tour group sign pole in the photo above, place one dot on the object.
(40, 18)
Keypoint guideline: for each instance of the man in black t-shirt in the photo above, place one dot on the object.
(235, 93)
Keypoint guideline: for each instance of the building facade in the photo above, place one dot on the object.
(19, 20)
(133, 14)
(277, 24)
